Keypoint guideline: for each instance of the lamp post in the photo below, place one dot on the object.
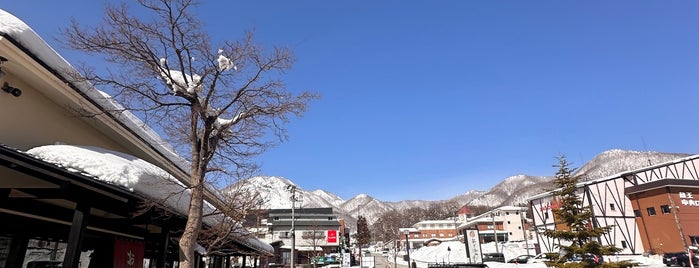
(407, 245)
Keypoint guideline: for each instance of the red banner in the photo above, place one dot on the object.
(128, 253)
(332, 236)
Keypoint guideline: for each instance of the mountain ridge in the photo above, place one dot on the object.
(512, 190)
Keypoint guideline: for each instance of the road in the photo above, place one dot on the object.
(382, 262)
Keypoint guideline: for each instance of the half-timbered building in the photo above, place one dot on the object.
(633, 203)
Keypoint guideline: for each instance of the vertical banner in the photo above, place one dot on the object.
(346, 259)
(128, 253)
(332, 236)
(473, 245)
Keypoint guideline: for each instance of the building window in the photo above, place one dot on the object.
(330, 218)
(508, 222)
(651, 211)
(519, 227)
(637, 213)
(665, 209)
(612, 207)
(694, 240)
(546, 215)
(623, 244)
(276, 218)
(507, 213)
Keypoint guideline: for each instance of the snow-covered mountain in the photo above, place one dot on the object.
(513, 190)
(615, 161)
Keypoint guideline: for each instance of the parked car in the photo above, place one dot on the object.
(521, 259)
(543, 257)
(587, 257)
(493, 257)
(679, 258)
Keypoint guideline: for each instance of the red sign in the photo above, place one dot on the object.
(332, 236)
(128, 253)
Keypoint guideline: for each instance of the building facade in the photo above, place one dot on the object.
(317, 231)
(503, 224)
(611, 201)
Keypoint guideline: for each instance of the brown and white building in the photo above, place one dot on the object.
(649, 210)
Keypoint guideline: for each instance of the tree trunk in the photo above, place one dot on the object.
(194, 221)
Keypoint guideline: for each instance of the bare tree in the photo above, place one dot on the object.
(315, 237)
(218, 103)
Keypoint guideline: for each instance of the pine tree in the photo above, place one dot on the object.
(363, 235)
(581, 231)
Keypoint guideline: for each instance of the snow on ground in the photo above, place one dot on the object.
(453, 252)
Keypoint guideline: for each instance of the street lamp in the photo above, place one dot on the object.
(407, 245)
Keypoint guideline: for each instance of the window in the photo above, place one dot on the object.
(623, 244)
(507, 213)
(330, 218)
(612, 207)
(276, 218)
(665, 209)
(651, 211)
(546, 215)
(519, 227)
(694, 240)
(637, 213)
(508, 222)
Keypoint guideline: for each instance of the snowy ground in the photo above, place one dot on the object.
(457, 253)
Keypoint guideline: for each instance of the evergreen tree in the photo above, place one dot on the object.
(363, 236)
(581, 231)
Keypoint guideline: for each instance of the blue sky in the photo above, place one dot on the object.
(430, 99)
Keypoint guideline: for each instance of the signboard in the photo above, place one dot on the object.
(346, 261)
(332, 236)
(128, 253)
(473, 246)
(687, 199)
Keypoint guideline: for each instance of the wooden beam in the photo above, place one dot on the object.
(77, 234)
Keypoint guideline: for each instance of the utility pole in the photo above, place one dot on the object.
(292, 190)
(495, 232)
(524, 232)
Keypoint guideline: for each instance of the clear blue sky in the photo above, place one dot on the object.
(430, 99)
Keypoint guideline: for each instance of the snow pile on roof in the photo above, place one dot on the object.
(119, 169)
(27, 38)
(24, 35)
(134, 174)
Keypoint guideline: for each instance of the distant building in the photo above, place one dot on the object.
(465, 213)
(429, 232)
(318, 230)
(507, 223)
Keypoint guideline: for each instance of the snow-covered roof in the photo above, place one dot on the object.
(136, 173)
(23, 35)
